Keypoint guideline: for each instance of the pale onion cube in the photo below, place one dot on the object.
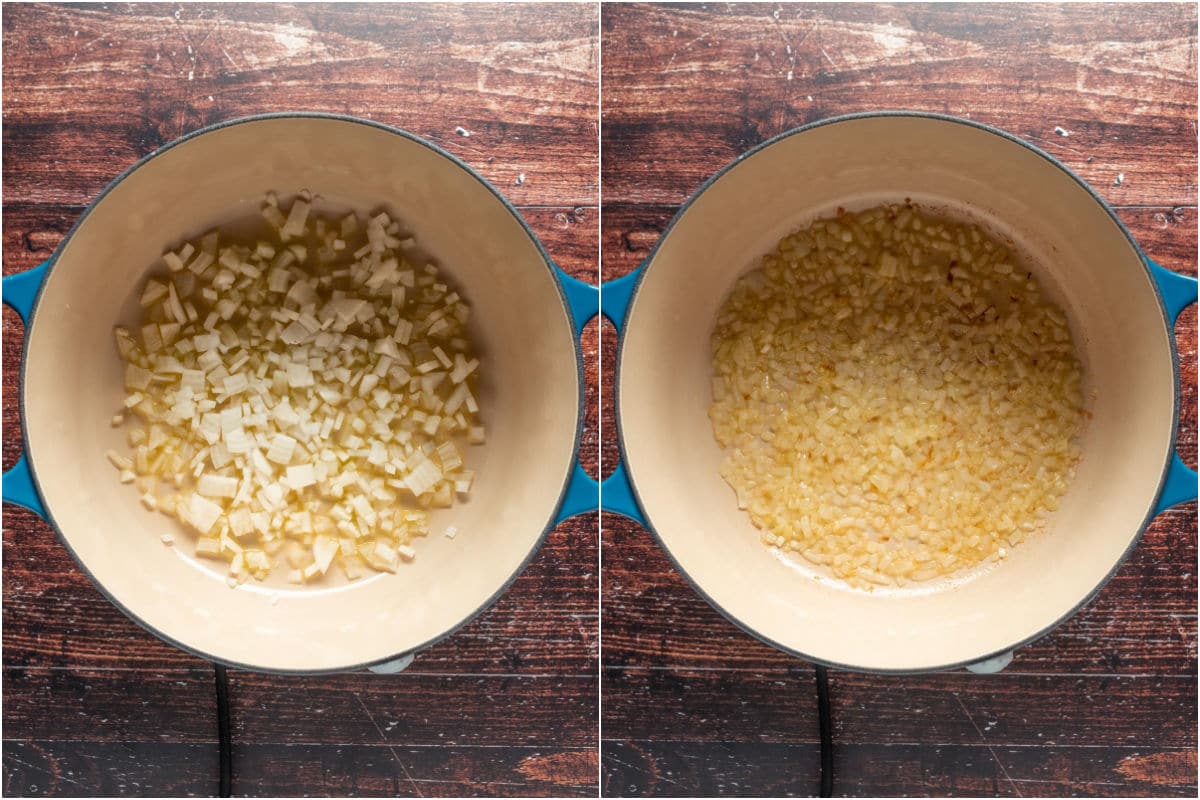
(297, 216)
(260, 464)
(330, 396)
(192, 379)
(126, 346)
(201, 263)
(236, 383)
(449, 456)
(278, 280)
(238, 442)
(208, 547)
(153, 292)
(362, 507)
(119, 461)
(404, 331)
(168, 331)
(211, 485)
(151, 338)
(326, 353)
(257, 561)
(462, 368)
(284, 414)
(205, 342)
(271, 496)
(299, 376)
(366, 385)
(202, 513)
(281, 449)
(423, 477)
(240, 523)
(324, 549)
(456, 399)
(300, 476)
(218, 455)
(384, 556)
(136, 377)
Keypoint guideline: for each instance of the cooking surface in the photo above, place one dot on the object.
(1106, 705)
(93, 704)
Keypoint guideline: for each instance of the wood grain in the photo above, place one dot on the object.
(689, 88)
(94, 704)
(49, 768)
(414, 708)
(138, 77)
(664, 769)
(1105, 705)
(777, 706)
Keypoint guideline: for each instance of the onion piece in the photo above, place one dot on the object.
(294, 392)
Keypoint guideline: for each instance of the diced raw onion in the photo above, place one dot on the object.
(291, 399)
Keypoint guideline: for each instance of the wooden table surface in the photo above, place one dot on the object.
(1106, 705)
(92, 703)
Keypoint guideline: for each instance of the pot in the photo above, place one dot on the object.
(1121, 308)
(526, 315)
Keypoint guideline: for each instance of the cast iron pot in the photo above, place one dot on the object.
(1121, 308)
(526, 315)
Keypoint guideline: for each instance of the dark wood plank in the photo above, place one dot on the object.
(135, 769)
(110, 705)
(950, 708)
(680, 769)
(689, 88)
(93, 88)
(412, 708)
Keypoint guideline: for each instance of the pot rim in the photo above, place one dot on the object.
(52, 262)
(644, 267)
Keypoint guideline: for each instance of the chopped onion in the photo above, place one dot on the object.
(304, 395)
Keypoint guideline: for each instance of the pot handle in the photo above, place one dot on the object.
(19, 292)
(584, 493)
(617, 491)
(394, 666)
(1178, 292)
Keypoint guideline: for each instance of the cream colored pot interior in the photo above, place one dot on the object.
(530, 395)
(1079, 254)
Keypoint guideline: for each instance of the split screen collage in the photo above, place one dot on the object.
(599, 399)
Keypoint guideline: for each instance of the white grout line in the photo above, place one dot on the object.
(599, 396)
